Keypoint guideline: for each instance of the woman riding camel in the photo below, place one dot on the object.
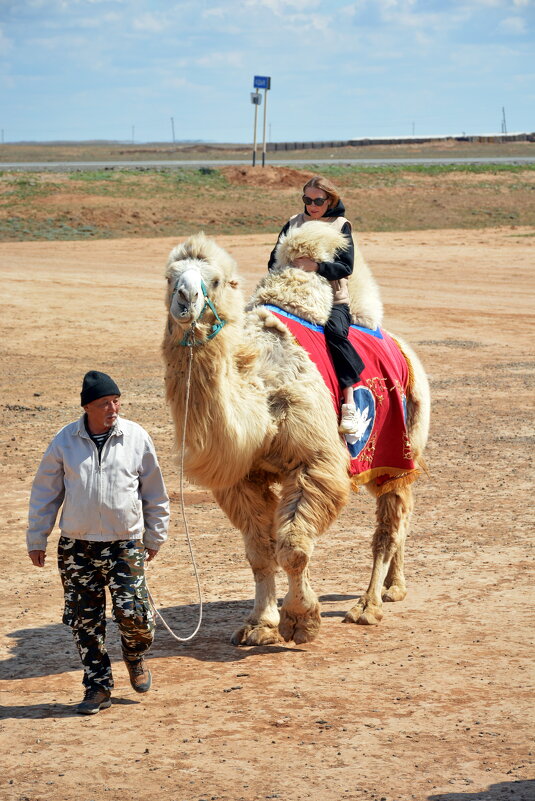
(322, 202)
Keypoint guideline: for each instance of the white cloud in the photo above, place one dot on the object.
(220, 60)
(62, 5)
(514, 25)
(97, 22)
(281, 8)
(5, 44)
(178, 82)
(151, 23)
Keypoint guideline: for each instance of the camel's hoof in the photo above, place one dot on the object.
(364, 614)
(256, 635)
(393, 593)
(300, 628)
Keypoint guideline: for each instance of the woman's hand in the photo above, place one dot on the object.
(306, 264)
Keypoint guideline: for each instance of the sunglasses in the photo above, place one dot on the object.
(317, 201)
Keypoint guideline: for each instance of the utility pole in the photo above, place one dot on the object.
(173, 128)
(256, 99)
(264, 136)
(133, 131)
(261, 82)
(504, 124)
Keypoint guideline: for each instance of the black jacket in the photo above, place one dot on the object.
(342, 266)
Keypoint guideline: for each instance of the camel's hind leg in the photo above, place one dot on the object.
(311, 499)
(387, 580)
(251, 505)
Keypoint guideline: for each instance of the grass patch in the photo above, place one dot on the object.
(148, 183)
(21, 229)
(165, 202)
(342, 170)
(28, 187)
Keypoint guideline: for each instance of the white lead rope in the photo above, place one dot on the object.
(188, 538)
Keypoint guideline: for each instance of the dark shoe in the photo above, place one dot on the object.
(95, 699)
(140, 676)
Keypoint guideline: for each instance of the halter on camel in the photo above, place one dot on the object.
(189, 336)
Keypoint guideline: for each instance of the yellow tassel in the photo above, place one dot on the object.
(398, 478)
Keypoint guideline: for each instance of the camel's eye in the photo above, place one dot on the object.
(215, 283)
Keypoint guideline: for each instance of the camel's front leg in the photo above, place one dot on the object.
(250, 505)
(311, 500)
(387, 581)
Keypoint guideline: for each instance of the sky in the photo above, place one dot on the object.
(143, 70)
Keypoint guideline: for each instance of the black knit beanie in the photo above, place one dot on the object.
(97, 385)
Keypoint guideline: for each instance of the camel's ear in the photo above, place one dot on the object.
(233, 283)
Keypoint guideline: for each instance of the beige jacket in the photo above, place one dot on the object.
(122, 496)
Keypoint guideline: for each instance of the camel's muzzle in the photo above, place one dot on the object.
(188, 305)
(183, 313)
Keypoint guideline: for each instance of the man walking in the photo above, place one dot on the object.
(104, 470)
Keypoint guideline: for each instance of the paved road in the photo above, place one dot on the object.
(67, 166)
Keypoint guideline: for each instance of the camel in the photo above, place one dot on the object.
(261, 430)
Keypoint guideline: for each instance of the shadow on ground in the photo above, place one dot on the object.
(49, 650)
(504, 791)
(52, 710)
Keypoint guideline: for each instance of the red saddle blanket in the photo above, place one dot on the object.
(380, 450)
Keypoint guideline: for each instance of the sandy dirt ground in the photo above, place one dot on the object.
(435, 703)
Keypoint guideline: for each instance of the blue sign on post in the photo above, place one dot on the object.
(262, 82)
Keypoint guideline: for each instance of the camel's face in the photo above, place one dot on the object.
(202, 290)
(191, 284)
(186, 299)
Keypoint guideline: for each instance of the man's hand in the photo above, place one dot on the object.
(151, 553)
(306, 264)
(37, 557)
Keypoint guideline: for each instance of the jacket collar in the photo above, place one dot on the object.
(116, 430)
(337, 211)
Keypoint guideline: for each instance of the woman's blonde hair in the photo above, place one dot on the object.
(317, 182)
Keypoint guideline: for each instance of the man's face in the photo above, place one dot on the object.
(102, 413)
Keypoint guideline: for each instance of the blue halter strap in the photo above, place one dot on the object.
(189, 336)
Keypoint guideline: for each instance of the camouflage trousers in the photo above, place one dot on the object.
(86, 568)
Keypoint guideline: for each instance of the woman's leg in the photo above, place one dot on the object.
(347, 363)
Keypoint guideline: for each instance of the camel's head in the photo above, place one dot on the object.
(202, 286)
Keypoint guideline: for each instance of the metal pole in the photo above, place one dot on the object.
(254, 133)
(173, 128)
(264, 145)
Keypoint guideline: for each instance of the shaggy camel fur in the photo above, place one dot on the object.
(261, 432)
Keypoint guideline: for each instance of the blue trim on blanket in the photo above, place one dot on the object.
(377, 333)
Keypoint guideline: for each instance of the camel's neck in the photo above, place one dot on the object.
(216, 385)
